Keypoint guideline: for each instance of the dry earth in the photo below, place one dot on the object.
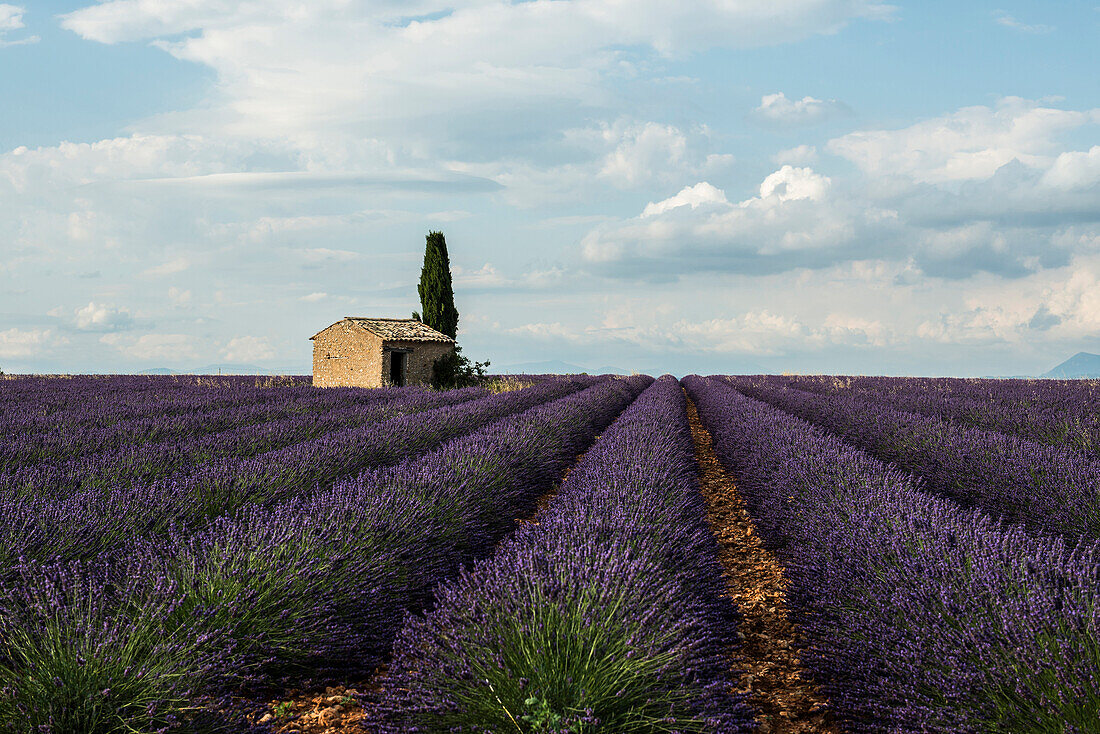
(336, 710)
(767, 659)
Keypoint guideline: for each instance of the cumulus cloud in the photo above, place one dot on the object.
(693, 196)
(147, 347)
(102, 317)
(968, 144)
(793, 220)
(778, 110)
(248, 349)
(980, 190)
(800, 155)
(984, 189)
(624, 153)
(11, 19)
(756, 332)
(364, 63)
(18, 343)
(1074, 170)
(1055, 306)
(790, 184)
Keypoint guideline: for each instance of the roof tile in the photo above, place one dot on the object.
(400, 329)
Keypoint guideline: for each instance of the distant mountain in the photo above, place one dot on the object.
(1079, 365)
(227, 368)
(549, 367)
(606, 370)
(230, 369)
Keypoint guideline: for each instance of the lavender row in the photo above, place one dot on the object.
(604, 614)
(105, 399)
(124, 441)
(141, 464)
(87, 520)
(1047, 488)
(93, 421)
(918, 615)
(269, 593)
(1056, 412)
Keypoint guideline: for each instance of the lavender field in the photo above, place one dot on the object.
(202, 554)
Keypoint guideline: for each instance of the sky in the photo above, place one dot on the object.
(721, 186)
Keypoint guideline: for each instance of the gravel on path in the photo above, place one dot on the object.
(780, 690)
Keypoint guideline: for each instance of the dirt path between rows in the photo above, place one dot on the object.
(778, 687)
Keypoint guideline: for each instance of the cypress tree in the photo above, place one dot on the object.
(437, 297)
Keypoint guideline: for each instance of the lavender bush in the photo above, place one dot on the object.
(1049, 489)
(313, 584)
(85, 427)
(920, 615)
(603, 615)
(137, 463)
(95, 648)
(1056, 412)
(82, 522)
(324, 580)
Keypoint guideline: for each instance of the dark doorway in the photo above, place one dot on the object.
(398, 361)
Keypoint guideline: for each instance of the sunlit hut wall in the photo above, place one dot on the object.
(373, 352)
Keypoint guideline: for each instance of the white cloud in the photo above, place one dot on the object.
(173, 266)
(357, 64)
(1008, 21)
(906, 207)
(179, 296)
(791, 184)
(486, 275)
(554, 331)
(700, 228)
(778, 110)
(968, 144)
(102, 317)
(663, 24)
(1055, 306)
(644, 150)
(248, 349)
(11, 19)
(488, 278)
(800, 155)
(848, 329)
(147, 347)
(756, 332)
(1074, 170)
(693, 196)
(314, 297)
(760, 332)
(135, 157)
(23, 343)
(626, 153)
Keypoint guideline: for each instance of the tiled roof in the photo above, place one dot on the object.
(409, 330)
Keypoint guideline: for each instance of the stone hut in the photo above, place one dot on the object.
(366, 352)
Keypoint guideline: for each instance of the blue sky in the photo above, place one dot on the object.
(722, 186)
